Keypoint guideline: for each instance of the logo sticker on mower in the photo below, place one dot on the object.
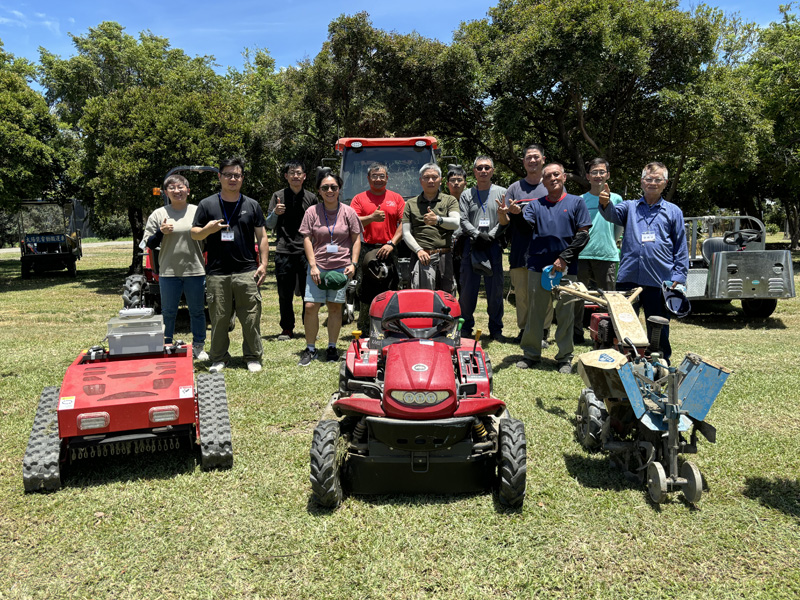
(186, 391)
(605, 358)
(419, 367)
(66, 403)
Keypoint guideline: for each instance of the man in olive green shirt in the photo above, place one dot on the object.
(429, 221)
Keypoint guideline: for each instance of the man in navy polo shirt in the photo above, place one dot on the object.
(560, 229)
(654, 250)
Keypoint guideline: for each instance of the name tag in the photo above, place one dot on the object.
(648, 236)
(331, 248)
(227, 235)
(483, 223)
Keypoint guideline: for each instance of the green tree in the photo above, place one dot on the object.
(139, 108)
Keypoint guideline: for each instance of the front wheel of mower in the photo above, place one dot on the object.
(657, 482)
(589, 420)
(512, 467)
(326, 483)
(693, 489)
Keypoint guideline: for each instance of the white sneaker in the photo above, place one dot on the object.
(216, 367)
(199, 353)
(253, 366)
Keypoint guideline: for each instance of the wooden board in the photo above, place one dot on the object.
(625, 320)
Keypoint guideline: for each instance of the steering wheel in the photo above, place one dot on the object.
(742, 237)
(395, 323)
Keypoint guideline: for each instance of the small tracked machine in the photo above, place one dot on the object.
(415, 412)
(134, 396)
(636, 407)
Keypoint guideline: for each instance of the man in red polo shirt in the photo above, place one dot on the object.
(381, 212)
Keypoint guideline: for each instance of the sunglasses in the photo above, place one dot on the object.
(328, 188)
(484, 168)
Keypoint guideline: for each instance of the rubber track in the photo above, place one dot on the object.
(513, 466)
(597, 414)
(326, 486)
(40, 466)
(216, 451)
(131, 299)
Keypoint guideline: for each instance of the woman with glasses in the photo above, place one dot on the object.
(331, 238)
(181, 268)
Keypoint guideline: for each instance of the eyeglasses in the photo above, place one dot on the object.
(296, 173)
(484, 168)
(232, 175)
(329, 188)
(655, 180)
(430, 177)
(176, 188)
(378, 176)
(598, 173)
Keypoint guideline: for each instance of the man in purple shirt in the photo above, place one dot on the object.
(654, 250)
(560, 229)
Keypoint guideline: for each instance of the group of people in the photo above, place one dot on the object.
(455, 241)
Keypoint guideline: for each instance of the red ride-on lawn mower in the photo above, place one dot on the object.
(133, 397)
(415, 412)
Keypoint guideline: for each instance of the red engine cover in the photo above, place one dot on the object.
(126, 388)
(419, 366)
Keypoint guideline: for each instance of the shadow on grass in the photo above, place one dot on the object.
(779, 493)
(401, 500)
(556, 411)
(90, 472)
(106, 281)
(734, 319)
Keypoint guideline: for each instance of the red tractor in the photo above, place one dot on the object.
(135, 396)
(415, 412)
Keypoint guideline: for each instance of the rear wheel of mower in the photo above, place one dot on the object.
(26, 270)
(216, 451)
(512, 467)
(589, 419)
(693, 489)
(759, 308)
(72, 268)
(657, 482)
(326, 483)
(40, 466)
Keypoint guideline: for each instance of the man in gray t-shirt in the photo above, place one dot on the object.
(482, 255)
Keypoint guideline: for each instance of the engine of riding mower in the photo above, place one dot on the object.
(415, 410)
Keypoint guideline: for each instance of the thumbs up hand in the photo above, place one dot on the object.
(430, 217)
(168, 226)
(280, 207)
(605, 196)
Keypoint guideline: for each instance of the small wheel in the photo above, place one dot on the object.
(26, 270)
(759, 308)
(512, 467)
(694, 482)
(657, 482)
(589, 420)
(72, 269)
(348, 314)
(326, 483)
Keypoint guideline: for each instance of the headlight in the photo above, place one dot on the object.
(420, 398)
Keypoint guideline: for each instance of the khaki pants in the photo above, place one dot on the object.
(540, 301)
(519, 280)
(226, 293)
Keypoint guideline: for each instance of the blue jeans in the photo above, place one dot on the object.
(470, 286)
(194, 288)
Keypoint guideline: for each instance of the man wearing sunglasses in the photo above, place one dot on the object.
(481, 230)
(232, 224)
(654, 250)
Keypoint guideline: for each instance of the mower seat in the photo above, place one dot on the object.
(393, 303)
(713, 245)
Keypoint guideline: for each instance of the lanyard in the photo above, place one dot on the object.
(336, 218)
(225, 212)
(647, 211)
(478, 192)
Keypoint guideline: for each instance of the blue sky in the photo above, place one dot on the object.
(291, 30)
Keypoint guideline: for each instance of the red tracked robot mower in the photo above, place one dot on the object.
(415, 412)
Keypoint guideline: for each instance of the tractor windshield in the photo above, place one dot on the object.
(404, 163)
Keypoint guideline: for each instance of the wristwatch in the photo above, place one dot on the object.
(439, 220)
(390, 243)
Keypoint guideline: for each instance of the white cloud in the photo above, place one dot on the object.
(17, 14)
(52, 26)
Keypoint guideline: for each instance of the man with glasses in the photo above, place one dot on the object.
(597, 263)
(654, 250)
(284, 215)
(560, 229)
(482, 254)
(380, 211)
(429, 221)
(519, 194)
(232, 224)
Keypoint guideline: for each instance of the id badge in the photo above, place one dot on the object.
(648, 236)
(483, 223)
(227, 235)
(332, 248)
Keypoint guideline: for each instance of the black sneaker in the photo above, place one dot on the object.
(528, 363)
(306, 356)
(332, 354)
(285, 335)
(565, 367)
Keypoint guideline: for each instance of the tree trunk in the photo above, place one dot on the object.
(136, 219)
(793, 217)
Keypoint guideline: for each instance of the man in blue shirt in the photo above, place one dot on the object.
(560, 229)
(654, 250)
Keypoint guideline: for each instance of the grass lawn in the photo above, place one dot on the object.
(159, 527)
